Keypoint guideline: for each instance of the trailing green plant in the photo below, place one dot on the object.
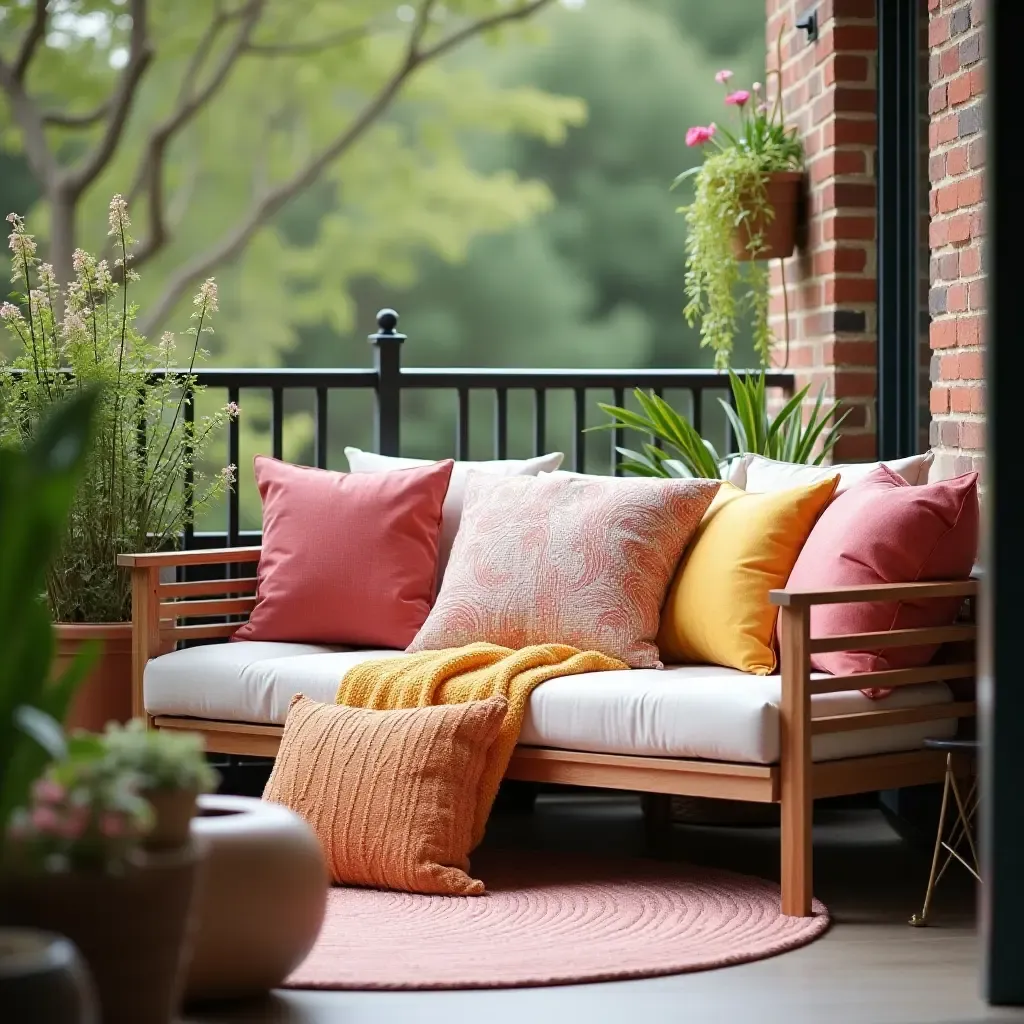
(680, 451)
(142, 480)
(730, 193)
(37, 488)
(158, 758)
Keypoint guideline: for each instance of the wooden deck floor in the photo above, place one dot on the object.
(871, 967)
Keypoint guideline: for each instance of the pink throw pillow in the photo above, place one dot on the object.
(348, 558)
(584, 561)
(883, 530)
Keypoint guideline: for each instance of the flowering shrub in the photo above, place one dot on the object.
(142, 480)
(730, 191)
(85, 814)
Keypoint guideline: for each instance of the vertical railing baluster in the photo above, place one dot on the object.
(320, 422)
(462, 426)
(697, 402)
(387, 359)
(277, 422)
(500, 423)
(189, 405)
(579, 422)
(233, 459)
(540, 421)
(618, 434)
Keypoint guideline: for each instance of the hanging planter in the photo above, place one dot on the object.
(746, 201)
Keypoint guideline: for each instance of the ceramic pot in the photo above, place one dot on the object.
(131, 929)
(43, 978)
(173, 810)
(106, 693)
(779, 233)
(262, 895)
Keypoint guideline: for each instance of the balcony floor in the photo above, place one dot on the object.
(870, 967)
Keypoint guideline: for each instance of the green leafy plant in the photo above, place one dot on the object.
(682, 452)
(159, 759)
(38, 483)
(730, 195)
(142, 478)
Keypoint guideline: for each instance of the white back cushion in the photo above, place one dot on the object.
(451, 514)
(757, 474)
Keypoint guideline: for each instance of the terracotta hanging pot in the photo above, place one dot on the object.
(106, 693)
(132, 929)
(778, 233)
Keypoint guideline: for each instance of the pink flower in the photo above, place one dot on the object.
(232, 409)
(698, 134)
(762, 108)
(723, 76)
(44, 819)
(738, 98)
(112, 825)
(46, 791)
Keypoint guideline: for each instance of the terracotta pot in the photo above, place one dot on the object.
(778, 234)
(131, 929)
(262, 894)
(43, 978)
(173, 811)
(106, 693)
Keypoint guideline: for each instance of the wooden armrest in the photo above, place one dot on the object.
(208, 556)
(881, 592)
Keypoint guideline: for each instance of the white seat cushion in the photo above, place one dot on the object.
(688, 711)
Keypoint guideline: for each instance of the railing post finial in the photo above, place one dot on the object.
(387, 360)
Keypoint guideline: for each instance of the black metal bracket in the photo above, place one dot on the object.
(808, 22)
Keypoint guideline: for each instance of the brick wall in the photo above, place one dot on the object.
(956, 297)
(829, 93)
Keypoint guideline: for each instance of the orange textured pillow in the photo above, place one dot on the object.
(563, 559)
(347, 558)
(391, 795)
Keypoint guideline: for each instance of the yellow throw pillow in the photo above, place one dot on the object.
(717, 610)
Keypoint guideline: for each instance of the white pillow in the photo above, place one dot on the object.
(757, 474)
(451, 513)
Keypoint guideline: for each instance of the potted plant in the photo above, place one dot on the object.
(744, 212)
(680, 451)
(142, 480)
(171, 769)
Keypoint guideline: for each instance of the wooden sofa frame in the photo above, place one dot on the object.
(164, 614)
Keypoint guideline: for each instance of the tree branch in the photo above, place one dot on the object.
(233, 243)
(33, 36)
(26, 114)
(61, 119)
(150, 176)
(140, 53)
(309, 46)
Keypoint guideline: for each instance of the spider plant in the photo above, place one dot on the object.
(678, 450)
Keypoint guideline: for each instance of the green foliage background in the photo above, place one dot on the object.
(515, 208)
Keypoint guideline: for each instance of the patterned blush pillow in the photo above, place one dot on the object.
(583, 561)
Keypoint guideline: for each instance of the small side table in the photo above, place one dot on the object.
(962, 831)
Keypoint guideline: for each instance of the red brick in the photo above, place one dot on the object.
(830, 261)
(946, 129)
(937, 98)
(938, 400)
(978, 80)
(837, 162)
(960, 400)
(956, 298)
(856, 448)
(978, 399)
(970, 261)
(936, 167)
(855, 384)
(959, 228)
(949, 367)
(945, 198)
(970, 366)
(972, 435)
(949, 60)
(938, 31)
(959, 89)
(853, 8)
(956, 161)
(938, 233)
(949, 433)
(845, 67)
(949, 266)
(850, 353)
(847, 131)
(942, 333)
(967, 331)
(969, 190)
(854, 37)
(976, 294)
(977, 223)
(849, 289)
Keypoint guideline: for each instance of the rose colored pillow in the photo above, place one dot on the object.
(583, 561)
(391, 795)
(347, 558)
(883, 530)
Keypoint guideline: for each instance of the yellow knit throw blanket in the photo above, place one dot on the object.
(462, 674)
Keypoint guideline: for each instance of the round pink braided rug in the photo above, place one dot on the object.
(552, 919)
